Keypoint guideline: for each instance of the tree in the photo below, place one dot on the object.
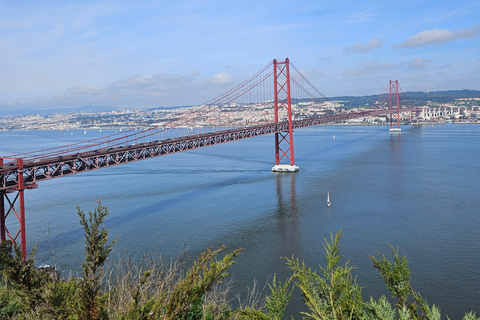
(97, 250)
(333, 294)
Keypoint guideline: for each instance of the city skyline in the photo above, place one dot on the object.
(160, 54)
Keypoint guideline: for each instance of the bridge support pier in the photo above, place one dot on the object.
(2, 212)
(285, 168)
(282, 100)
(2, 217)
(17, 206)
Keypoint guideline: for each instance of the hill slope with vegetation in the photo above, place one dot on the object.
(155, 289)
(415, 98)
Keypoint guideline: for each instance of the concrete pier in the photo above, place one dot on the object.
(285, 168)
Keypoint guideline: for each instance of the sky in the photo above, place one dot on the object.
(148, 54)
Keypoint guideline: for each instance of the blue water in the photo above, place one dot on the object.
(418, 191)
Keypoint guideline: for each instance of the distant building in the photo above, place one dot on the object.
(475, 114)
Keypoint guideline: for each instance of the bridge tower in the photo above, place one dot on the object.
(282, 100)
(15, 206)
(394, 100)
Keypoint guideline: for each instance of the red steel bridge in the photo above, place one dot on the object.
(274, 89)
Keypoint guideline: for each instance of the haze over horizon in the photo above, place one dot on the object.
(148, 54)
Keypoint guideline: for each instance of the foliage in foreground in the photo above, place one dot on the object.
(154, 289)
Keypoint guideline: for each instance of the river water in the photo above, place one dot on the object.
(418, 191)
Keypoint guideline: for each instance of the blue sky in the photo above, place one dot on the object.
(171, 53)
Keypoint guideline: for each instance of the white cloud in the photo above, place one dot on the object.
(311, 73)
(419, 63)
(369, 68)
(363, 48)
(438, 35)
(222, 78)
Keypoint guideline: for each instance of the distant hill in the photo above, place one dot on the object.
(416, 98)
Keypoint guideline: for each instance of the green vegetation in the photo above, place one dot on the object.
(151, 288)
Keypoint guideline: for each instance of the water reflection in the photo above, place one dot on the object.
(396, 142)
(287, 214)
(286, 204)
(397, 173)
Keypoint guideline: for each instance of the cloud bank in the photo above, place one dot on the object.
(370, 68)
(434, 36)
(158, 90)
(419, 63)
(363, 48)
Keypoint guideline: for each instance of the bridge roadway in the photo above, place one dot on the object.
(37, 170)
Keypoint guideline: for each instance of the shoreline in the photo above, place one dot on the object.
(327, 124)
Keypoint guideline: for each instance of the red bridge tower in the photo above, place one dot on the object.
(283, 100)
(394, 100)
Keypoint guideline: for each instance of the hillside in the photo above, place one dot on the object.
(415, 98)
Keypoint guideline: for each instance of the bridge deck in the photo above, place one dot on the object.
(38, 170)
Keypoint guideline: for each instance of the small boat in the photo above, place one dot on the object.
(333, 137)
(329, 204)
(84, 132)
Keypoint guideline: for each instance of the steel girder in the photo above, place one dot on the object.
(69, 164)
(49, 168)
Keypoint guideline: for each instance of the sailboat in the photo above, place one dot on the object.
(329, 204)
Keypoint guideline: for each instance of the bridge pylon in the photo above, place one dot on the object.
(16, 206)
(394, 100)
(283, 100)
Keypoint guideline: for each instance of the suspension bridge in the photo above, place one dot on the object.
(275, 89)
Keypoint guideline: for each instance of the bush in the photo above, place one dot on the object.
(154, 289)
